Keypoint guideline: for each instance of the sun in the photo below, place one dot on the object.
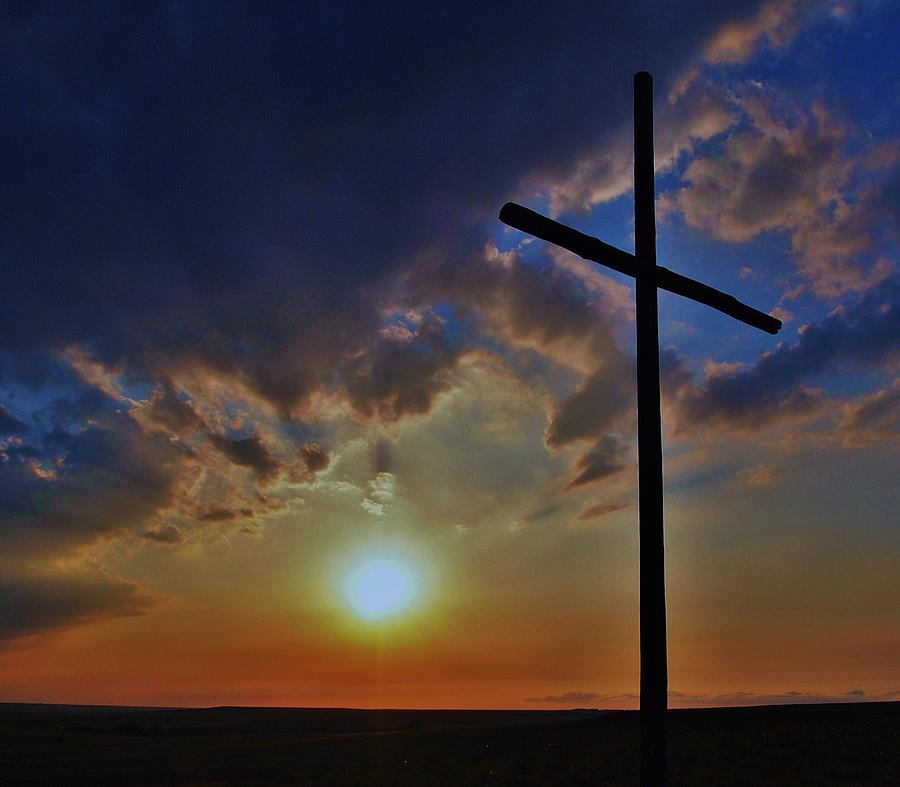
(381, 587)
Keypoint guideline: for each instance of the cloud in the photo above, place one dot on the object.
(772, 25)
(236, 232)
(164, 535)
(594, 407)
(35, 604)
(546, 309)
(600, 509)
(398, 378)
(216, 515)
(313, 461)
(775, 23)
(768, 177)
(789, 170)
(166, 409)
(605, 459)
(536, 515)
(380, 494)
(696, 115)
(697, 111)
(760, 475)
(314, 458)
(9, 424)
(371, 507)
(873, 419)
(86, 473)
(569, 698)
(736, 699)
(226, 215)
(863, 334)
(240, 238)
(248, 452)
(748, 698)
(78, 487)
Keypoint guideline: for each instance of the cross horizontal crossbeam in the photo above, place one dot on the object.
(595, 250)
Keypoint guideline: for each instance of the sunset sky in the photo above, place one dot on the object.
(265, 347)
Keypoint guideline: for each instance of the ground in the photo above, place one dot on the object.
(815, 744)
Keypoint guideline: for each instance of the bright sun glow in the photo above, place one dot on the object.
(381, 587)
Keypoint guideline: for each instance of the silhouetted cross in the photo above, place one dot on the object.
(648, 278)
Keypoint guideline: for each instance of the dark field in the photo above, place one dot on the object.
(811, 744)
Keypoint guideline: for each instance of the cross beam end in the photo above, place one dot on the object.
(716, 299)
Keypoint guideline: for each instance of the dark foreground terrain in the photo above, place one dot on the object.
(811, 744)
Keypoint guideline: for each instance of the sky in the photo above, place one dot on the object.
(288, 417)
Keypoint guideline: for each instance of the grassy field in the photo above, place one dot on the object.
(811, 744)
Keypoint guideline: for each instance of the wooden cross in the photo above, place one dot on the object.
(649, 277)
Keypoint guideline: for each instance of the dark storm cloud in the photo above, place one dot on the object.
(208, 185)
(35, 371)
(866, 333)
(214, 191)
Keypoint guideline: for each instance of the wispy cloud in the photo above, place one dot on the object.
(700, 700)
(35, 603)
(874, 418)
(569, 698)
(595, 510)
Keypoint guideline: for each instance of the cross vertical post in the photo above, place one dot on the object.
(654, 672)
(649, 277)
